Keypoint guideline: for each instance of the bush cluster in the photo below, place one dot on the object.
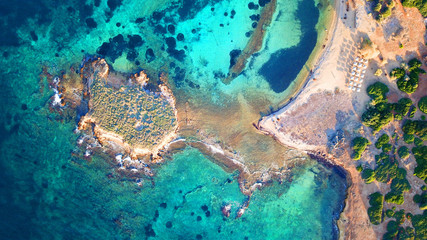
(359, 146)
(420, 4)
(379, 113)
(376, 210)
(407, 77)
(381, 8)
(422, 104)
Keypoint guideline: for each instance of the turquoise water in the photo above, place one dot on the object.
(48, 193)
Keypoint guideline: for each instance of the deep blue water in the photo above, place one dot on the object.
(284, 65)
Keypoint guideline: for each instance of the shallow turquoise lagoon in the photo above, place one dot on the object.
(47, 193)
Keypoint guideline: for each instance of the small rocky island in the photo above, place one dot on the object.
(128, 117)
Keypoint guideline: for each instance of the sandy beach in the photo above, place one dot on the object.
(325, 105)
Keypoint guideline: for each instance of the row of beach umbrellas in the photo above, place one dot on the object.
(357, 74)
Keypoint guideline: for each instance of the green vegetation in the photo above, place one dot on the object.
(386, 170)
(368, 175)
(141, 118)
(376, 210)
(401, 108)
(389, 213)
(420, 154)
(400, 216)
(412, 111)
(381, 8)
(407, 77)
(419, 128)
(392, 230)
(387, 147)
(421, 200)
(379, 112)
(419, 222)
(422, 104)
(359, 146)
(359, 168)
(378, 92)
(393, 197)
(408, 138)
(420, 4)
(418, 142)
(382, 140)
(403, 152)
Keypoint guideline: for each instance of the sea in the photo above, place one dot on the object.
(47, 192)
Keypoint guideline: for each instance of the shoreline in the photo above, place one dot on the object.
(327, 21)
(315, 151)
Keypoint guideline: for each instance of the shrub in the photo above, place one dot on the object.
(377, 91)
(422, 104)
(412, 111)
(397, 73)
(376, 119)
(393, 197)
(402, 107)
(419, 222)
(387, 147)
(359, 168)
(359, 146)
(420, 154)
(386, 171)
(382, 140)
(421, 200)
(376, 209)
(389, 213)
(400, 216)
(418, 128)
(403, 152)
(378, 72)
(408, 86)
(392, 230)
(368, 175)
(380, 157)
(400, 185)
(408, 138)
(418, 142)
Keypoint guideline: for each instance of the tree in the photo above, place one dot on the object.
(376, 209)
(408, 138)
(403, 152)
(377, 91)
(368, 175)
(383, 139)
(402, 107)
(420, 154)
(394, 197)
(422, 104)
(359, 146)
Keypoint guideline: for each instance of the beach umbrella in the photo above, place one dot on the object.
(351, 83)
(357, 58)
(353, 73)
(366, 61)
(361, 80)
(363, 71)
(353, 88)
(362, 76)
(352, 78)
(349, 87)
(358, 90)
